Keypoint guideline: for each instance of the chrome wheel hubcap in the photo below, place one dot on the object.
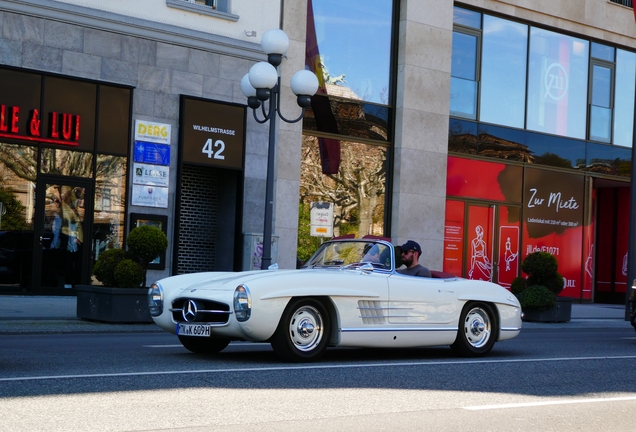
(477, 327)
(306, 328)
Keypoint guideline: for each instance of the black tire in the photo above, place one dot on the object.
(303, 331)
(204, 345)
(477, 330)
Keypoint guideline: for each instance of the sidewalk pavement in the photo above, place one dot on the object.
(49, 314)
(55, 314)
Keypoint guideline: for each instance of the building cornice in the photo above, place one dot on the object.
(138, 27)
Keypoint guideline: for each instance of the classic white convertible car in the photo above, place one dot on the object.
(339, 298)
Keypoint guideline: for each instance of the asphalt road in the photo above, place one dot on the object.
(544, 380)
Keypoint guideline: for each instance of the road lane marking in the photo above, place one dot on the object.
(547, 403)
(163, 346)
(316, 367)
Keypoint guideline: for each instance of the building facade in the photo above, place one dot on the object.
(483, 129)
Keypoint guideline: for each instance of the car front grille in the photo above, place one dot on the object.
(206, 311)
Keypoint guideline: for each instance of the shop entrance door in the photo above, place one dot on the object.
(492, 243)
(612, 225)
(61, 256)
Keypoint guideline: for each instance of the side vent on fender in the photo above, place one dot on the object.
(371, 312)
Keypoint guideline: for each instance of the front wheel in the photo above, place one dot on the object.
(303, 331)
(477, 330)
(204, 345)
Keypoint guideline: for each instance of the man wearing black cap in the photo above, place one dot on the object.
(411, 252)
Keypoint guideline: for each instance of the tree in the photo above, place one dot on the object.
(357, 189)
(13, 219)
(307, 244)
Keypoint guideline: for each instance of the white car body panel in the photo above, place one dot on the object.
(369, 308)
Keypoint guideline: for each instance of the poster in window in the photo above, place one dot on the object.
(553, 221)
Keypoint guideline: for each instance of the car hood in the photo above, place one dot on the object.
(228, 281)
(220, 281)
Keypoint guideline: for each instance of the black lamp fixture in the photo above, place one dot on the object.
(262, 83)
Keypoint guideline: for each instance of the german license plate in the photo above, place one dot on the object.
(201, 330)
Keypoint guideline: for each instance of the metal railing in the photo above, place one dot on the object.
(628, 3)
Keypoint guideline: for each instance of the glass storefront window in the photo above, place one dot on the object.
(348, 117)
(357, 190)
(503, 72)
(351, 45)
(601, 109)
(557, 84)
(109, 207)
(466, 17)
(18, 171)
(67, 163)
(602, 52)
(624, 98)
(463, 97)
(611, 160)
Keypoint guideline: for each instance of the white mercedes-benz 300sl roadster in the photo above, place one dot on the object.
(343, 296)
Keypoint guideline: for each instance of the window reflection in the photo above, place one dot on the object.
(347, 117)
(624, 97)
(503, 72)
(605, 159)
(352, 42)
(557, 84)
(357, 190)
(601, 112)
(18, 173)
(110, 199)
(66, 162)
(516, 145)
(601, 85)
(462, 136)
(466, 17)
(602, 52)
(18, 170)
(463, 97)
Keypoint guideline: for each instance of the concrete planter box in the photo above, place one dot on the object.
(113, 305)
(562, 312)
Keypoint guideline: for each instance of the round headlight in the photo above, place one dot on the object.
(242, 303)
(155, 300)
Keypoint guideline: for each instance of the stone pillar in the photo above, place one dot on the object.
(289, 140)
(421, 137)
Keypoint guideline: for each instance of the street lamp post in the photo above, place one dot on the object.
(263, 83)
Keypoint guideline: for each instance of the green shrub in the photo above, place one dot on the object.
(540, 290)
(553, 282)
(129, 273)
(537, 297)
(122, 269)
(539, 263)
(518, 285)
(541, 268)
(104, 269)
(146, 242)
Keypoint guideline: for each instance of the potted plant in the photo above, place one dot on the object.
(123, 295)
(539, 293)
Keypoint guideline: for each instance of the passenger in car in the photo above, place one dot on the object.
(411, 252)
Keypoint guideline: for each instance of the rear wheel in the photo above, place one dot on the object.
(477, 330)
(204, 345)
(303, 331)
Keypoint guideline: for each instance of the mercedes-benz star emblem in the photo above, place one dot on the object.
(189, 311)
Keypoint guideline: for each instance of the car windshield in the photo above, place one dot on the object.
(344, 253)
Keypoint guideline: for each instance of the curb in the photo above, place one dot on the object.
(44, 326)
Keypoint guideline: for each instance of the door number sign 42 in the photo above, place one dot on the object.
(214, 150)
